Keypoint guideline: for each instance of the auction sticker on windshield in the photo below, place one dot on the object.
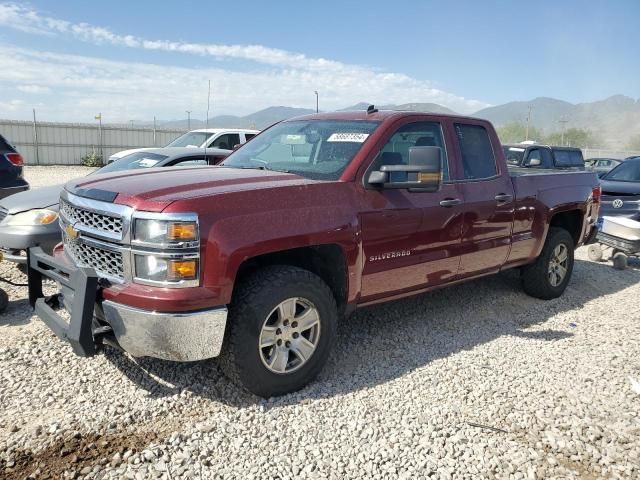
(348, 137)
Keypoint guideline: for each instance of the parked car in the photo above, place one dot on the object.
(224, 138)
(602, 165)
(621, 190)
(257, 260)
(31, 218)
(11, 170)
(543, 156)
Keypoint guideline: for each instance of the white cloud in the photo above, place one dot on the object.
(37, 89)
(136, 90)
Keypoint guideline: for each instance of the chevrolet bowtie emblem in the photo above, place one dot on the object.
(71, 232)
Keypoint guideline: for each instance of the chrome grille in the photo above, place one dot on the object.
(97, 221)
(105, 262)
(3, 213)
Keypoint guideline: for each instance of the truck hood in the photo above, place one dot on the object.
(38, 198)
(156, 188)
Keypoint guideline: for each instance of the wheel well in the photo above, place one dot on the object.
(571, 221)
(326, 261)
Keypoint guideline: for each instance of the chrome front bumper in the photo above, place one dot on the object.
(183, 336)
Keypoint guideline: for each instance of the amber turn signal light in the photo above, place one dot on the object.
(183, 270)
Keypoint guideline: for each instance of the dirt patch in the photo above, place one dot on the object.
(72, 454)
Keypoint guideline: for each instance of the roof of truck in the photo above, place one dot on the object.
(538, 145)
(378, 115)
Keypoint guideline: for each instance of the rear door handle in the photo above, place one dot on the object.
(450, 202)
(504, 198)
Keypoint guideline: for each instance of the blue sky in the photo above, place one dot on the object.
(137, 59)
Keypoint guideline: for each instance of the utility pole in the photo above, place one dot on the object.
(208, 102)
(188, 119)
(317, 102)
(154, 131)
(99, 118)
(35, 137)
(563, 122)
(528, 120)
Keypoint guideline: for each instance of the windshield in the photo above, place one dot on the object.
(568, 158)
(133, 162)
(628, 171)
(513, 155)
(191, 139)
(315, 149)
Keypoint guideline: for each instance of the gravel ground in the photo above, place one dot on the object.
(499, 385)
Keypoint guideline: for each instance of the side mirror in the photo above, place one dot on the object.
(422, 174)
(237, 146)
(534, 162)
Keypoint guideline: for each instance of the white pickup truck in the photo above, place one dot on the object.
(225, 138)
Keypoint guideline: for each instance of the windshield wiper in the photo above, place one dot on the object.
(262, 167)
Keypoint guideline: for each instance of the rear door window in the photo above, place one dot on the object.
(568, 158)
(478, 158)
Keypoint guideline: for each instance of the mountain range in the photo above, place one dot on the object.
(613, 120)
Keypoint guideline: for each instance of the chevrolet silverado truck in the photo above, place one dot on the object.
(255, 261)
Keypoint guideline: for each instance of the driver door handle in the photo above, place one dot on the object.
(450, 202)
(504, 198)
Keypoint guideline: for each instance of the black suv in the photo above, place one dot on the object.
(543, 156)
(11, 177)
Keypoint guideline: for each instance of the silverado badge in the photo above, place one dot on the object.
(388, 255)
(71, 232)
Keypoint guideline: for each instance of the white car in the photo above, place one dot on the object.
(225, 138)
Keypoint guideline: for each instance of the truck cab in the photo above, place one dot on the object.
(543, 156)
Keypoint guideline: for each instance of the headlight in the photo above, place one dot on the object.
(166, 232)
(31, 218)
(153, 268)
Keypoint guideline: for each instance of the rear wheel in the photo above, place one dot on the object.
(620, 261)
(549, 275)
(282, 324)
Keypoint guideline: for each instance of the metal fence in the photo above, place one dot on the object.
(48, 143)
(603, 153)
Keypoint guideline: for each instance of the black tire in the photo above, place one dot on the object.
(620, 261)
(4, 300)
(254, 300)
(535, 277)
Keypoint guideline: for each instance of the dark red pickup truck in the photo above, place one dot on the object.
(256, 260)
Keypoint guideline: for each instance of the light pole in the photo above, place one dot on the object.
(563, 122)
(317, 104)
(188, 119)
(528, 120)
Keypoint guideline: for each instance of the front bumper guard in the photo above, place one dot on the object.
(178, 336)
(84, 283)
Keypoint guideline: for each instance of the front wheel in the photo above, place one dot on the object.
(549, 275)
(282, 324)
